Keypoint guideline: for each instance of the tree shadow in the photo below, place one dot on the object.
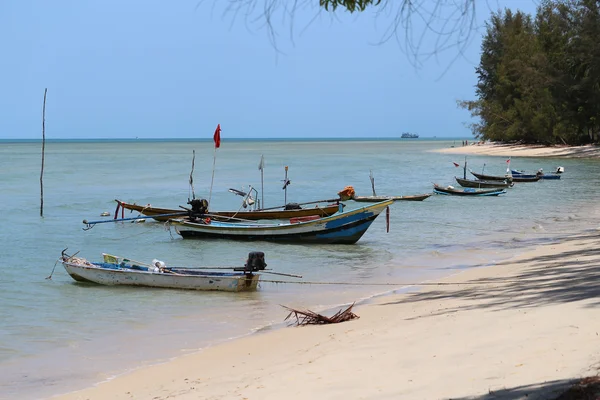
(546, 391)
(564, 389)
(565, 277)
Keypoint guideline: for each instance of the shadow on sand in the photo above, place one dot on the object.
(550, 279)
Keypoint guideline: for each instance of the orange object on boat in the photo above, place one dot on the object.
(347, 193)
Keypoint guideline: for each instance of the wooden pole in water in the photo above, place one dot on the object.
(372, 181)
(261, 167)
(43, 151)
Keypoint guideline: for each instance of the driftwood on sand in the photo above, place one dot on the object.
(312, 318)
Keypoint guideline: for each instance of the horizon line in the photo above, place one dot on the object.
(238, 139)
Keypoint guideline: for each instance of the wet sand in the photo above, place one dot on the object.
(524, 328)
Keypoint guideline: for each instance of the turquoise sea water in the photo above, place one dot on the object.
(57, 335)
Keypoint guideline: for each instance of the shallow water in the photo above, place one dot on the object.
(57, 335)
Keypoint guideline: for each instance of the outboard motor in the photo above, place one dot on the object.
(199, 207)
(292, 206)
(255, 262)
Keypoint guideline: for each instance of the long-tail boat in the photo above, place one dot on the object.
(450, 190)
(374, 199)
(479, 184)
(341, 228)
(114, 270)
(164, 214)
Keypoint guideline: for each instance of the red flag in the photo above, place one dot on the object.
(455, 164)
(217, 136)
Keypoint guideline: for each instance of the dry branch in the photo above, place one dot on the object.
(312, 318)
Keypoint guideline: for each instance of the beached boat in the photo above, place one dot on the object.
(479, 184)
(540, 173)
(374, 199)
(121, 271)
(451, 190)
(164, 214)
(341, 228)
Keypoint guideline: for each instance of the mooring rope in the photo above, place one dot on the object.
(395, 284)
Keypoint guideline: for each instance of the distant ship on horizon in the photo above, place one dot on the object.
(408, 135)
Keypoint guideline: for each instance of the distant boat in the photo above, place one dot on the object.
(540, 174)
(450, 190)
(375, 199)
(408, 135)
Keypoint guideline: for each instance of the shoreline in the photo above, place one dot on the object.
(514, 150)
(419, 334)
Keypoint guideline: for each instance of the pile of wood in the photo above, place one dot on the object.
(312, 318)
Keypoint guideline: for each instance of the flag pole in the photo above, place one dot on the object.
(286, 185)
(213, 176)
(217, 140)
(262, 183)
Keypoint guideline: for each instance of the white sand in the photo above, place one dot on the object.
(532, 326)
(506, 150)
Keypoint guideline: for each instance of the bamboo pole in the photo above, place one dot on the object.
(43, 152)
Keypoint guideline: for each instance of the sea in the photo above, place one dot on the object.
(58, 336)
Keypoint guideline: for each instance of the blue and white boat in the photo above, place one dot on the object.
(340, 228)
(540, 174)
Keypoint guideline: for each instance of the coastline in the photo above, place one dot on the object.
(522, 326)
(513, 150)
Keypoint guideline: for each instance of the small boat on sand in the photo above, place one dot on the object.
(114, 270)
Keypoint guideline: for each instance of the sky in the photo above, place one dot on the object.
(175, 69)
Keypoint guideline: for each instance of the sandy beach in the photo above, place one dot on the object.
(524, 328)
(510, 150)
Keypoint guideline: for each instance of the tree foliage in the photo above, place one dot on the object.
(539, 76)
(350, 5)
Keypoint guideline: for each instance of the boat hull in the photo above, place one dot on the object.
(468, 191)
(479, 184)
(156, 212)
(375, 199)
(518, 174)
(94, 273)
(344, 228)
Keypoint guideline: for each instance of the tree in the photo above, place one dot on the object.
(452, 23)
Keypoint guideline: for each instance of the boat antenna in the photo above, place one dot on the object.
(192, 176)
(217, 140)
(372, 181)
(286, 182)
(261, 167)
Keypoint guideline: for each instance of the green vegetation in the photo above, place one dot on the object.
(539, 78)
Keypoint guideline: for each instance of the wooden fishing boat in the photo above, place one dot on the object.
(164, 214)
(450, 190)
(341, 228)
(121, 271)
(510, 178)
(521, 174)
(483, 177)
(479, 184)
(374, 199)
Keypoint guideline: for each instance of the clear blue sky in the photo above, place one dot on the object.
(160, 69)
